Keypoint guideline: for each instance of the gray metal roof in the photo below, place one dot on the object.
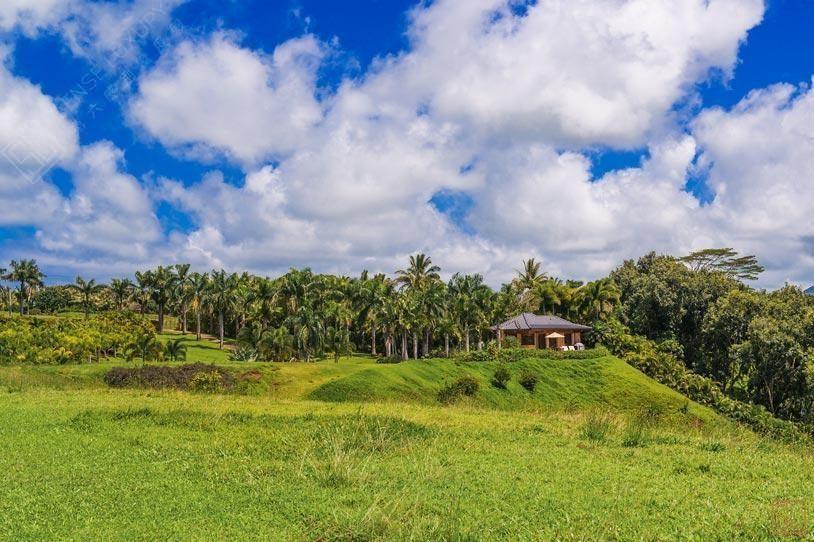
(528, 321)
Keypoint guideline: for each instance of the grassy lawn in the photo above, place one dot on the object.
(363, 451)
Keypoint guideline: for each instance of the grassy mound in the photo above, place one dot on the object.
(605, 382)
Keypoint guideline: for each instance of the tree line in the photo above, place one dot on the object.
(302, 314)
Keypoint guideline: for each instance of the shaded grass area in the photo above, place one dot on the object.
(131, 465)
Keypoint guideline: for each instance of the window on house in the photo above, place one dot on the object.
(569, 339)
(527, 340)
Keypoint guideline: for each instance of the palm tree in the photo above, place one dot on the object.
(375, 293)
(220, 296)
(549, 295)
(142, 291)
(160, 283)
(447, 324)
(27, 273)
(470, 300)
(86, 290)
(5, 290)
(338, 341)
(121, 289)
(176, 350)
(530, 276)
(279, 342)
(181, 292)
(144, 346)
(422, 278)
(597, 298)
(419, 273)
(197, 288)
(309, 331)
(263, 299)
(432, 303)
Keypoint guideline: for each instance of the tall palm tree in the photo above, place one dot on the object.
(122, 290)
(470, 301)
(86, 290)
(197, 289)
(263, 297)
(419, 273)
(181, 292)
(421, 277)
(529, 276)
(527, 283)
(598, 298)
(309, 331)
(432, 302)
(549, 295)
(29, 277)
(220, 296)
(142, 290)
(375, 293)
(161, 283)
(5, 290)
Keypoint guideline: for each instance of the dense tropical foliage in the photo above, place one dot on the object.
(694, 312)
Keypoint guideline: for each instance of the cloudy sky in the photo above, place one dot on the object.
(265, 134)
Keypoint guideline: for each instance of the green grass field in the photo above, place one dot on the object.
(363, 451)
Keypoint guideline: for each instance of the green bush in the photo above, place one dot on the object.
(529, 380)
(206, 382)
(510, 342)
(465, 386)
(244, 353)
(501, 377)
(517, 354)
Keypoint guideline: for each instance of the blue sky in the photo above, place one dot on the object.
(371, 128)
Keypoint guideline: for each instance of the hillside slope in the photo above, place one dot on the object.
(605, 382)
(601, 383)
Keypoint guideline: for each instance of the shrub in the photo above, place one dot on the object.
(391, 360)
(510, 342)
(244, 353)
(517, 354)
(529, 380)
(465, 386)
(160, 377)
(207, 382)
(501, 377)
(468, 385)
(596, 426)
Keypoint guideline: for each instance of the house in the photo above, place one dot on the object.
(535, 331)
